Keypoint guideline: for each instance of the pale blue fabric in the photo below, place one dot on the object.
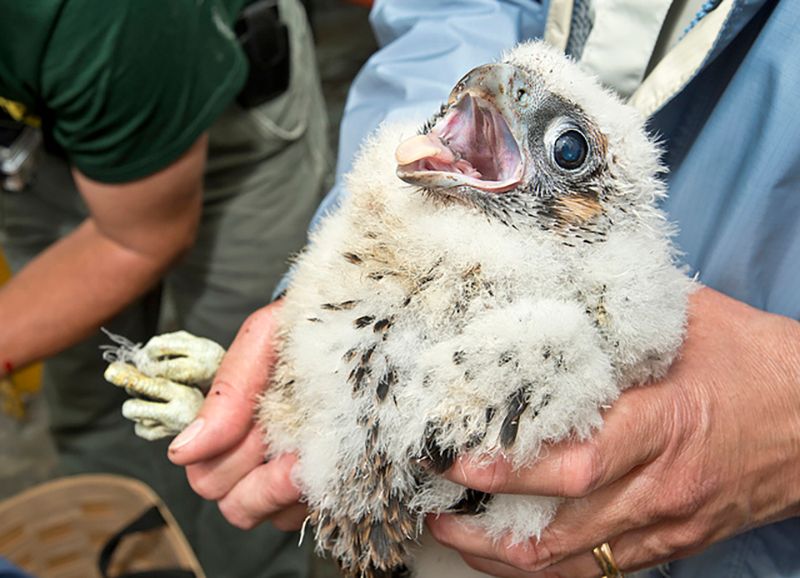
(733, 145)
(733, 148)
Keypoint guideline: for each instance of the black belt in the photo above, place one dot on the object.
(265, 41)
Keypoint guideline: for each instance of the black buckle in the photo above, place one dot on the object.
(265, 41)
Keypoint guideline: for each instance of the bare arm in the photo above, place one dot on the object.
(134, 232)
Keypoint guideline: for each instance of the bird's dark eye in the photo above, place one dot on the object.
(570, 150)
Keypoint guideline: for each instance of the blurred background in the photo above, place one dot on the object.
(344, 41)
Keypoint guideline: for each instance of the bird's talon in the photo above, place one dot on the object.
(164, 379)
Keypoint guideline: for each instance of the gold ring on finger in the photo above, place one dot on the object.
(605, 559)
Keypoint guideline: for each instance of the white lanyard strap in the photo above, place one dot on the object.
(619, 25)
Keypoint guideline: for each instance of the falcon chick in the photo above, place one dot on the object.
(496, 296)
(514, 279)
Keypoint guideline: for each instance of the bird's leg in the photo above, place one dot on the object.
(167, 378)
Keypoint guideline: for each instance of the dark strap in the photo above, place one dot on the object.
(264, 38)
(149, 520)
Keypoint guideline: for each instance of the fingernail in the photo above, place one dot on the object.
(187, 435)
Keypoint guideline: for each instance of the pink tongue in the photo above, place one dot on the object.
(423, 146)
(436, 156)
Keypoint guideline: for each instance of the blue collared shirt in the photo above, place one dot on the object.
(733, 148)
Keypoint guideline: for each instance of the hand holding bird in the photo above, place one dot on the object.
(702, 455)
(496, 298)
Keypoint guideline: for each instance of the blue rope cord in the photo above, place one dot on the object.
(707, 7)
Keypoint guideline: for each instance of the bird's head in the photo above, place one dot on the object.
(534, 138)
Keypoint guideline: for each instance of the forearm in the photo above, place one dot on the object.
(68, 292)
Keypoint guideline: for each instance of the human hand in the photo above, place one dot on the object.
(710, 451)
(223, 449)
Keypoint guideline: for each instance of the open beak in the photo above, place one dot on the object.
(471, 145)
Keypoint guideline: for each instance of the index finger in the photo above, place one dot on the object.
(264, 492)
(635, 432)
(227, 414)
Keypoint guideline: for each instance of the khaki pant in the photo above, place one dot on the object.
(266, 172)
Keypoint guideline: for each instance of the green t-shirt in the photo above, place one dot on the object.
(127, 85)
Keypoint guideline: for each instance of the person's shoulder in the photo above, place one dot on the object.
(131, 84)
(143, 22)
(25, 29)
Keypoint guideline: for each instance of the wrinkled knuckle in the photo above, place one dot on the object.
(685, 501)
(533, 555)
(674, 542)
(643, 511)
(647, 509)
(687, 537)
(677, 506)
(550, 547)
(523, 557)
(655, 546)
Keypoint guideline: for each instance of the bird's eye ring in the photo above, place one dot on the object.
(570, 150)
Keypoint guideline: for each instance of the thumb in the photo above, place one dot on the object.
(228, 411)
